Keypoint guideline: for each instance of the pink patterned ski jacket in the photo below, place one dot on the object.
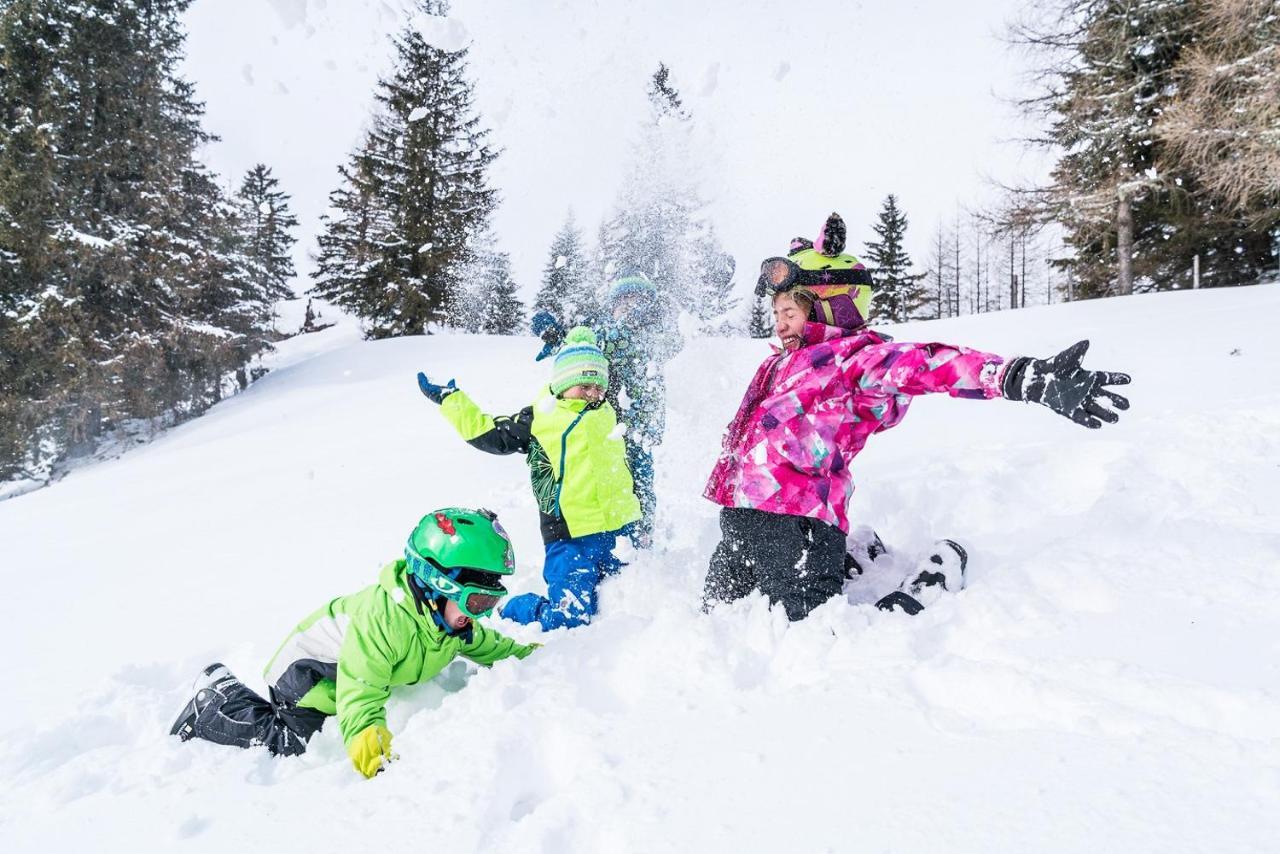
(809, 411)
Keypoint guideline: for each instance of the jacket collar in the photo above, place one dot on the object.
(571, 404)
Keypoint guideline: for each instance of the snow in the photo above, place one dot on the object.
(88, 239)
(441, 31)
(1108, 681)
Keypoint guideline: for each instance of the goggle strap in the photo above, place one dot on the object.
(840, 276)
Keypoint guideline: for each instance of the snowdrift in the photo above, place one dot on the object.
(1108, 681)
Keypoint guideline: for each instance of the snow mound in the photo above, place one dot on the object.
(1107, 681)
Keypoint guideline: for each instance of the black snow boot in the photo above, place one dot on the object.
(225, 711)
(898, 599)
(863, 546)
(943, 570)
(207, 698)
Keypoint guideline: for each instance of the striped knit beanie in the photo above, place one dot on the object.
(632, 283)
(579, 362)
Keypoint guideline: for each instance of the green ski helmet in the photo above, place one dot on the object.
(461, 555)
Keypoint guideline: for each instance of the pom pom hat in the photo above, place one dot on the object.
(632, 283)
(579, 362)
(838, 285)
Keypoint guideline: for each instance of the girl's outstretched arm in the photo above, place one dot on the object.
(1060, 383)
(914, 369)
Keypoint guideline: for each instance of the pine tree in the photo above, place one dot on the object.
(658, 226)
(413, 196)
(1105, 81)
(1224, 126)
(498, 309)
(124, 293)
(266, 232)
(711, 277)
(760, 324)
(565, 277)
(899, 292)
(352, 261)
(1134, 213)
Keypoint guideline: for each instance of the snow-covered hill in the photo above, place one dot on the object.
(1108, 682)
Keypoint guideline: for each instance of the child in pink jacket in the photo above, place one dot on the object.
(783, 477)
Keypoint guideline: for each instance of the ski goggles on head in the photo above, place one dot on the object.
(474, 591)
(841, 296)
(779, 275)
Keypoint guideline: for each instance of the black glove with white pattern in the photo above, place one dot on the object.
(1066, 388)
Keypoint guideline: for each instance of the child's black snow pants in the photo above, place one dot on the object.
(794, 560)
(238, 716)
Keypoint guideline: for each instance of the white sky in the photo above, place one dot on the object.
(804, 107)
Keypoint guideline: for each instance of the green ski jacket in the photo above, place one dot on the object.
(345, 658)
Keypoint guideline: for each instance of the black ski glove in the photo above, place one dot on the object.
(1065, 387)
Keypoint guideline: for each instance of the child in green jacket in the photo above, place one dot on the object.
(578, 468)
(345, 658)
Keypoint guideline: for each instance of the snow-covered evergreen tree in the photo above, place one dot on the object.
(658, 226)
(1134, 215)
(1224, 128)
(266, 232)
(899, 293)
(760, 324)
(711, 279)
(124, 292)
(499, 310)
(567, 289)
(352, 260)
(413, 196)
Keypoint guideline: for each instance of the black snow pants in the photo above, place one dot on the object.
(794, 560)
(238, 716)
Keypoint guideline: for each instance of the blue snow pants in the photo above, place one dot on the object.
(572, 570)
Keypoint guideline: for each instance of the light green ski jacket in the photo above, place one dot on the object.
(345, 658)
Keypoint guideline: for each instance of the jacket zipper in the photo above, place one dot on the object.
(564, 446)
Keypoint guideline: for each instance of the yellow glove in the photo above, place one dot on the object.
(371, 750)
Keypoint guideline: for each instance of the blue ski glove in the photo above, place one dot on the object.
(1065, 387)
(546, 327)
(522, 609)
(435, 393)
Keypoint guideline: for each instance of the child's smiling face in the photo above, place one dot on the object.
(788, 320)
(589, 392)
